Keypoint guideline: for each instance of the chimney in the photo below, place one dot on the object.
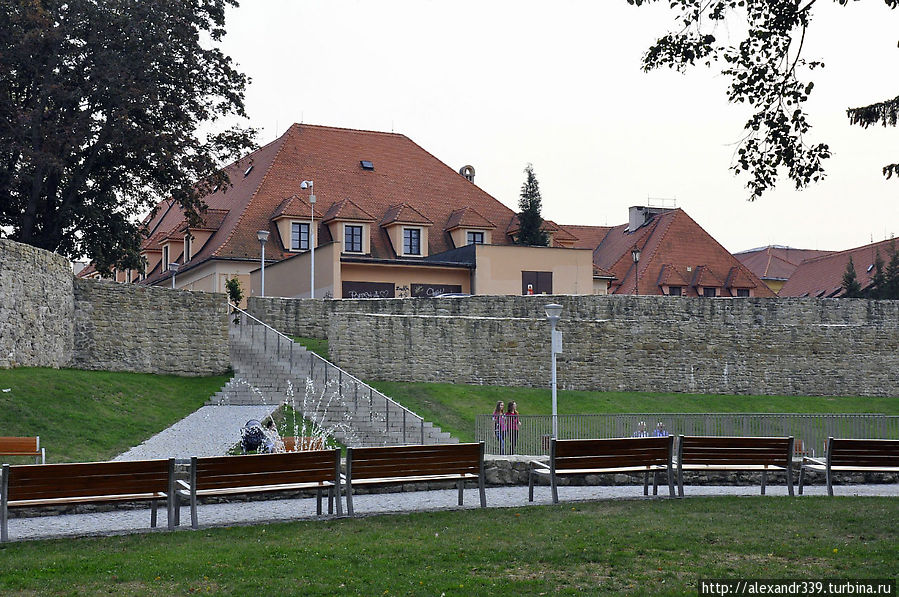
(638, 215)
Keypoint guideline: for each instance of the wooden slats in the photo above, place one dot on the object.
(865, 452)
(48, 481)
(627, 445)
(20, 446)
(713, 450)
(266, 469)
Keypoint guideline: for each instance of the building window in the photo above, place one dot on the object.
(536, 282)
(130, 276)
(476, 238)
(352, 239)
(743, 292)
(411, 241)
(674, 291)
(709, 292)
(299, 236)
(187, 248)
(165, 259)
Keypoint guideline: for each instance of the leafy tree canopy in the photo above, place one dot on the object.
(529, 218)
(766, 70)
(100, 106)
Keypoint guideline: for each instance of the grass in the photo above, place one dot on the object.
(316, 345)
(613, 547)
(94, 415)
(453, 407)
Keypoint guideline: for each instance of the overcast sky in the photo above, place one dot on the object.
(497, 84)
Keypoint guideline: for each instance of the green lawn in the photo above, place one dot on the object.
(612, 547)
(95, 415)
(453, 407)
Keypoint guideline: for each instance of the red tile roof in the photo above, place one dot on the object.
(295, 207)
(405, 214)
(347, 210)
(673, 248)
(824, 275)
(468, 217)
(403, 173)
(588, 237)
(776, 262)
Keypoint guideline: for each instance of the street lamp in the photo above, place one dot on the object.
(173, 267)
(262, 235)
(553, 311)
(308, 184)
(635, 253)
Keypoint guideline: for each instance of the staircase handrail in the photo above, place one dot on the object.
(328, 363)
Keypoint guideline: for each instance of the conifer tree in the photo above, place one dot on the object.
(851, 286)
(529, 219)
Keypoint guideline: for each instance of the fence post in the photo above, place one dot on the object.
(404, 425)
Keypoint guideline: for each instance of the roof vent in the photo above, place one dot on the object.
(367, 165)
(467, 172)
(870, 267)
(247, 173)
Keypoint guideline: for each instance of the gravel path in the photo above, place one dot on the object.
(210, 431)
(260, 512)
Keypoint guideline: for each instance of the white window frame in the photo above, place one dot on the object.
(299, 235)
(187, 247)
(346, 238)
(471, 233)
(165, 259)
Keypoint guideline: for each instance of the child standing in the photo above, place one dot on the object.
(499, 425)
(513, 424)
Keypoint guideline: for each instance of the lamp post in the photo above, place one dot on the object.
(173, 267)
(635, 253)
(262, 235)
(553, 311)
(308, 184)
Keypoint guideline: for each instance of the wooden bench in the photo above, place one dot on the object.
(405, 464)
(853, 456)
(233, 475)
(89, 482)
(606, 456)
(23, 446)
(735, 454)
(301, 444)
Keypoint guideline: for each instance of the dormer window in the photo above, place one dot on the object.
(475, 237)
(352, 238)
(299, 236)
(187, 248)
(412, 241)
(165, 259)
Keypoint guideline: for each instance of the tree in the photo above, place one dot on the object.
(851, 286)
(235, 291)
(765, 71)
(530, 221)
(100, 104)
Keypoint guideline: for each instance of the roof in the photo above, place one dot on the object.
(824, 275)
(588, 237)
(404, 214)
(295, 207)
(403, 174)
(468, 217)
(776, 262)
(675, 251)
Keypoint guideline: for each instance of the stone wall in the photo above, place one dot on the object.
(36, 307)
(128, 327)
(627, 343)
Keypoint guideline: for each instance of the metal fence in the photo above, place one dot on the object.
(810, 430)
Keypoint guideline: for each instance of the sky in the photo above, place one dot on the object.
(558, 84)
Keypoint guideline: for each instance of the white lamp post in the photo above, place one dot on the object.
(553, 311)
(308, 184)
(173, 267)
(262, 235)
(635, 253)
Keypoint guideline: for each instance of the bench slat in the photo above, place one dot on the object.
(587, 447)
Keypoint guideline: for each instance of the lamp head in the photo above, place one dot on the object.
(635, 253)
(173, 267)
(553, 311)
(262, 235)
(306, 184)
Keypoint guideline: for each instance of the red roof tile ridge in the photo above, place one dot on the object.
(347, 129)
(874, 245)
(651, 229)
(236, 226)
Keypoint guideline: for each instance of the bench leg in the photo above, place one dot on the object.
(482, 491)
(330, 500)
(461, 485)
(801, 479)
(764, 481)
(153, 513)
(655, 482)
(318, 501)
(646, 483)
(829, 478)
(4, 492)
(194, 523)
(555, 487)
(670, 474)
(790, 480)
(680, 482)
(349, 499)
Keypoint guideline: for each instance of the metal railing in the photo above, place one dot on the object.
(363, 402)
(810, 430)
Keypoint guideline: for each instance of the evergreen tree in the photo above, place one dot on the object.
(530, 221)
(851, 286)
(878, 280)
(891, 281)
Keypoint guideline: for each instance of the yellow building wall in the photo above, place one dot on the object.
(290, 278)
(499, 268)
(403, 277)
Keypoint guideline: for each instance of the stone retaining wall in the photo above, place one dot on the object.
(36, 307)
(612, 343)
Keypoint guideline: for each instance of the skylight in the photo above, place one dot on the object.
(870, 267)
(367, 165)
(250, 169)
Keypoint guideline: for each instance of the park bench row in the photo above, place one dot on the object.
(319, 470)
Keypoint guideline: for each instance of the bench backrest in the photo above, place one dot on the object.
(734, 451)
(611, 453)
(414, 461)
(20, 446)
(300, 444)
(313, 466)
(70, 480)
(863, 452)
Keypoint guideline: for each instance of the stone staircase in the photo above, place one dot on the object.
(270, 369)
